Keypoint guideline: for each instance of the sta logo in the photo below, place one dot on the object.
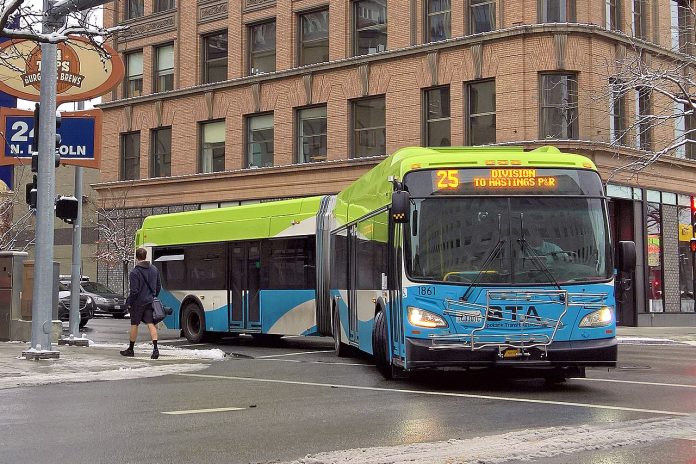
(512, 313)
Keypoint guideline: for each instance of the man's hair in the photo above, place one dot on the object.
(141, 254)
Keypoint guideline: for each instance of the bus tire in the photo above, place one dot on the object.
(380, 346)
(340, 348)
(193, 323)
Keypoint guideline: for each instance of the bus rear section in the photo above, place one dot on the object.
(247, 269)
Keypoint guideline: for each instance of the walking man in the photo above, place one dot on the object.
(144, 284)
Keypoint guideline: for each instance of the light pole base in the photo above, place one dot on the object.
(32, 355)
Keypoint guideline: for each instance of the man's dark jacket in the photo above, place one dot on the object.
(140, 293)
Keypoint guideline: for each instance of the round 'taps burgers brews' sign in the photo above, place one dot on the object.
(83, 72)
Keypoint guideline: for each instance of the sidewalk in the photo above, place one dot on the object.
(657, 335)
(98, 362)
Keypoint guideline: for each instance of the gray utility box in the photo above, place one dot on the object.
(11, 282)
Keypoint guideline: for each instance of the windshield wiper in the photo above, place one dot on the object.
(489, 259)
(538, 262)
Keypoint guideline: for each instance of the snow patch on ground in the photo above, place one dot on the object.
(166, 352)
(646, 341)
(114, 372)
(524, 445)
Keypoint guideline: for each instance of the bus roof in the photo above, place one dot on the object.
(373, 190)
(262, 220)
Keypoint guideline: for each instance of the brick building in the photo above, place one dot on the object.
(226, 102)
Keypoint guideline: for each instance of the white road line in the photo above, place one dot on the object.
(293, 354)
(437, 393)
(200, 411)
(315, 362)
(637, 382)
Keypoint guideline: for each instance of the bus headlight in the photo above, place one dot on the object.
(422, 318)
(599, 318)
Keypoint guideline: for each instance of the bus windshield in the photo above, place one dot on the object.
(508, 240)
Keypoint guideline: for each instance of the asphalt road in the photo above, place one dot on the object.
(295, 398)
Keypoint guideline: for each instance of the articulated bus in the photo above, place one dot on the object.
(437, 257)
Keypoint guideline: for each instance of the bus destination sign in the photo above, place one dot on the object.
(515, 178)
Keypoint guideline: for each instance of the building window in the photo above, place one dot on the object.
(311, 134)
(134, 74)
(481, 113)
(613, 10)
(134, 9)
(559, 106)
(640, 19)
(644, 118)
(212, 150)
(369, 26)
(260, 141)
(681, 26)
(163, 5)
(556, 11)
(262, 48)
(215, 57)
(314, 37)
(436, 115)
(689, 132)
(686, 266)
(617, 113)
(439, 26)
(369, 127)
(481, 16)
(130, 156)
(655, 290)
(164, 68)
(161, 152)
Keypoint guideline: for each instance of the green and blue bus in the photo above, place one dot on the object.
(437, 257)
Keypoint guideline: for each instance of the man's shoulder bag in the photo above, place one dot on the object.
(159, 312)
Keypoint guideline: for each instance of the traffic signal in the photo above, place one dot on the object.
(35, 146)
(692, 245)
(66, 209)
(693, 214)
(31, 191)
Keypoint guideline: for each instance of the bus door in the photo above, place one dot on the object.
(352, 281)
(395, 284)
(244, 283)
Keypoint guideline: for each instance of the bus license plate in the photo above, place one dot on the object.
(511, 353)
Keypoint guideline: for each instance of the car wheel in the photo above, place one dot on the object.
(340, 348)
(193, 323)
(380, 346)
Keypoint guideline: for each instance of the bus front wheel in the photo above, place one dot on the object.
(193, 323)
(380, 346)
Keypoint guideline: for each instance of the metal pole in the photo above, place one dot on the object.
(41, 311)
(76, 250)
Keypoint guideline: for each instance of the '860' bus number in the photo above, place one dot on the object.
(426, 291)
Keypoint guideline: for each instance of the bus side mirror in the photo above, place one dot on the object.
(401, 207)
(627, 256)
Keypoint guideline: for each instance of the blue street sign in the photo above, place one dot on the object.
(77, 137)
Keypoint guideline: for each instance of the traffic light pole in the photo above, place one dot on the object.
(42, 304)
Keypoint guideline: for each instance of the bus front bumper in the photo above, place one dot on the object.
(578, 353)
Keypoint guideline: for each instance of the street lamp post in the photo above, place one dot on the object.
(55, 13)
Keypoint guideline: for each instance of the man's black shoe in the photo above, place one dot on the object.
(155, 354)
(127, 352)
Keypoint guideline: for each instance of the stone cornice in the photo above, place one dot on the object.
(487, 37)
(154, 24)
